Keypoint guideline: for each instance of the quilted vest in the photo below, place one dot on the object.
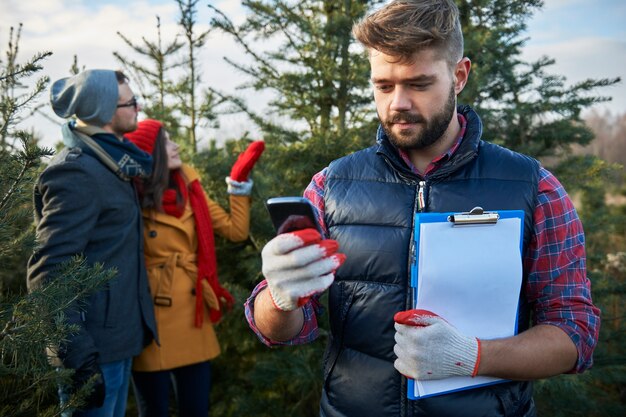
(370, 201)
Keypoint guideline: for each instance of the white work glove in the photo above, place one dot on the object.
(297, 265)
(239, 187)
(428, 347)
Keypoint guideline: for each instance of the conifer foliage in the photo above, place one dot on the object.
(169, 78)
(303, 54)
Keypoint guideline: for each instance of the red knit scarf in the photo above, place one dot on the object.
(207, 262)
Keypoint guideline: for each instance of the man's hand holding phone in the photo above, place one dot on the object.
(298, 264)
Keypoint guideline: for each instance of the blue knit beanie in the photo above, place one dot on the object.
(90, 95)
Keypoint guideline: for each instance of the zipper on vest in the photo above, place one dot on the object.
(413, 256)
(421, 202)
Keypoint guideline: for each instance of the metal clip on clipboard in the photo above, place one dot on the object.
(475, 216)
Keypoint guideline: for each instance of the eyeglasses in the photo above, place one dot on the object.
(132, 103)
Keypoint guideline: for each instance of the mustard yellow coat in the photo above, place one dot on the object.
(170, 246)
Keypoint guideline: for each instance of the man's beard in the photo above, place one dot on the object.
(121, 127)
(432, 130)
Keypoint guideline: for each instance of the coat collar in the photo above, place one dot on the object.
(151, 215)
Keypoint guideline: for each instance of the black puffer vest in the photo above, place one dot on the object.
(370, 202)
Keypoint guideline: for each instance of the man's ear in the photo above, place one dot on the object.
(461, 74)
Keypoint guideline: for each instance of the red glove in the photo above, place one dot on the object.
(246, 160)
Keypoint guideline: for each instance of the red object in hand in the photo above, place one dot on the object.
(415, 317)
(246, 160)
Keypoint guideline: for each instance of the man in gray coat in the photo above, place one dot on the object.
(85, 204)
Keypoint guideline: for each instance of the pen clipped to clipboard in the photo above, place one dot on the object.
(470, 276)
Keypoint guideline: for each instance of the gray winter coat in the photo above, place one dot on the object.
(81, 207)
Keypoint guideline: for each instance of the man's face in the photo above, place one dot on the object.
(415, 102)
(125, 117)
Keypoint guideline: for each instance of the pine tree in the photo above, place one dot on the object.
(14, 102)
(169, 78)
(20, 158)
(189, 105)
(152, 79)
(523, 106)
(321, 106)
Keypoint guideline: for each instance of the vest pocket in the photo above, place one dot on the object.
(340, 299)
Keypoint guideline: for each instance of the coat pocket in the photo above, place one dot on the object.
(115, 296)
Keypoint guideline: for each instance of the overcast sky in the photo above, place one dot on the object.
(586, 37)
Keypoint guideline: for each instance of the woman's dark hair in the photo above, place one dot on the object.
(153, 187)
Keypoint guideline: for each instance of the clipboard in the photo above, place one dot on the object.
(467, 268)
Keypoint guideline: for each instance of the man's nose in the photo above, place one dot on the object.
(400, 100)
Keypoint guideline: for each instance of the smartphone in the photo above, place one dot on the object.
(292, 213)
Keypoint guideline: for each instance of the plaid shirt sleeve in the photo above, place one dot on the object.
(309, 331)
(557, 287)
(313, 308)
(315, 194)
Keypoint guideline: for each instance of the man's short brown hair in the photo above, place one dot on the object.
(404, 27)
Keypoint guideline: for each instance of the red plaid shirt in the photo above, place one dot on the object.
(557, 287)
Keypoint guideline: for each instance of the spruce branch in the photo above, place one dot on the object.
(28, 158)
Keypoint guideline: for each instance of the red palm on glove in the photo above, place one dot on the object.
(413, 317)
(246, 160)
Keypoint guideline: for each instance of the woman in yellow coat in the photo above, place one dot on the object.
(179, 222)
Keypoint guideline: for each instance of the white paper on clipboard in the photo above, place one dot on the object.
(471, 276)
